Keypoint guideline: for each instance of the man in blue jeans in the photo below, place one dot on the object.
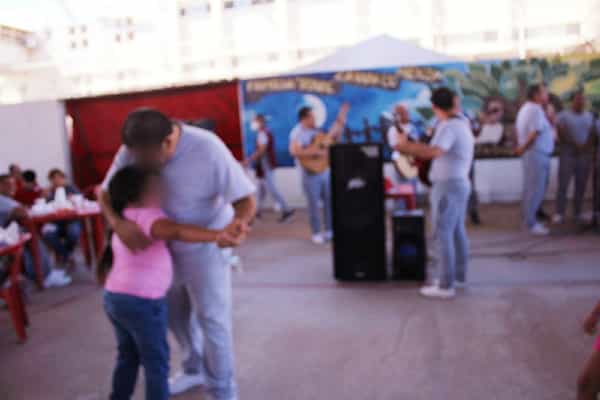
(316, 186)
(451, 150)
(535, 145)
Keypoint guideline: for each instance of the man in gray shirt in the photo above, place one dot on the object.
(575, 128)
(535, 145)
(205, 186)
(451, 150)
(316, 185)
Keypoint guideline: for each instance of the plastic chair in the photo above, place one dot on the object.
(11, 289)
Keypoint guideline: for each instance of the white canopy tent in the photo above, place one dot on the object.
(378, 52)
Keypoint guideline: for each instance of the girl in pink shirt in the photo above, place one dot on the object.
(136, 282)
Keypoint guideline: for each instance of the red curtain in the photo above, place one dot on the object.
(97, 122)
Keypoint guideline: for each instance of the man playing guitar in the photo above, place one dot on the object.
(451, 150)
(309, 147)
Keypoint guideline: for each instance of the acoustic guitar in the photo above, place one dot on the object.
(318, 164)
(410, 167)
(322, 141)
(405, 165)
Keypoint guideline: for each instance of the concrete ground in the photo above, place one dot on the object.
(515, 334)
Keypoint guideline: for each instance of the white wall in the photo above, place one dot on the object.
(498, 181)
(34, 136)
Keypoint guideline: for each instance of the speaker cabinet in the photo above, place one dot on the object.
(409, 246)
(358, 212)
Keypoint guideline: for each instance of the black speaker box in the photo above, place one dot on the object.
(358, 212)
(409, 246)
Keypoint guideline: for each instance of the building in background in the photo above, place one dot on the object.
(72, 48)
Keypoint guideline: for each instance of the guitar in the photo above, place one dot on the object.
(318, 163)
(321, 142)
(405, 165)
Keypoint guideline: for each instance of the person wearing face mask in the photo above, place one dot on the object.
(264, 161)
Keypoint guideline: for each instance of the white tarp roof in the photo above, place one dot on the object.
(377, 52)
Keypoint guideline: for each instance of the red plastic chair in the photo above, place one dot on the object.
(11, 289)
(404, 191)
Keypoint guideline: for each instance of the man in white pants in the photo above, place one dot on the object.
(535, 145)
(205, 186)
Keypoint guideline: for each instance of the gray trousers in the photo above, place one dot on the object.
(267, 186)
(318, 192)
(572, 165)
(200, 318)
(536, 170)
(448, 210)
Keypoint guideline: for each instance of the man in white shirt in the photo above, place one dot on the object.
(402, 125)
(402, 120)
(535, 145)
(451, 150)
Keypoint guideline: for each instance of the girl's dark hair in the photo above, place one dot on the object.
(125, 187)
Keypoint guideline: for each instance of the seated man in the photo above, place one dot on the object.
(10, 210)
(30, 191)
(62, 237)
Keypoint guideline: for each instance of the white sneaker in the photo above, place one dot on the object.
(539, 230)
(328, 236)
(558, 219)
(437, 292)
(57, 278)
(318, 238)
(182, 382)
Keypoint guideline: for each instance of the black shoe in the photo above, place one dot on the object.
(475, 220)
(541, 215)
(286, 215)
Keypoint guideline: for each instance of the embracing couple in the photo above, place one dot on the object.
(206, 203)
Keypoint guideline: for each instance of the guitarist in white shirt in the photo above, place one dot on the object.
(401, 118)
(316, 184)
(402, 126)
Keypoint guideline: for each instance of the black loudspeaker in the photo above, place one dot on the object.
(358, 212)
(409, 246)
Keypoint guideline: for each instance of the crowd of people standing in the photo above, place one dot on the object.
(538, 130)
